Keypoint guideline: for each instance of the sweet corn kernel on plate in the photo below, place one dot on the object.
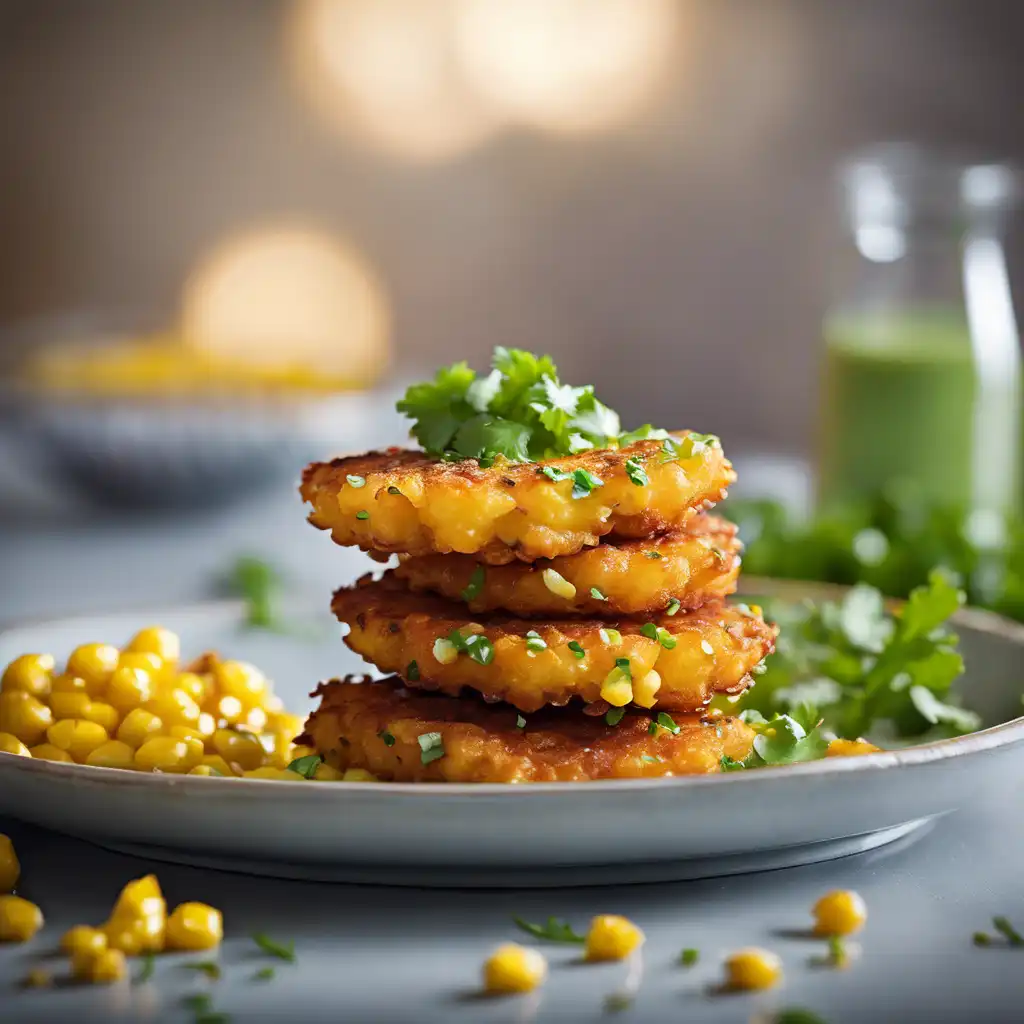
(457, 835)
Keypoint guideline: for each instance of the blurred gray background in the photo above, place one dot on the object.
(680, 261)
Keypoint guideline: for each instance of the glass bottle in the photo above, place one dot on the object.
(922, 376)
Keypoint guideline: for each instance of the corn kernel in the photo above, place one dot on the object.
(135, 935)
(166, 754)
(68, 684)
(78, 737)
(206, 726)
(10, 868)
(328, 773)
(175, 707)
(612, 938)
(558, 584)
(112, 754)
(850, 748)
(23, 716)
(241, 680)
(193, 685)
(48, 752)
(840, 912)
(217, 764)
(268, 772)
(284, 724)
(94, 663)
(138, 897)
(157, 640)
(645, 690)
(66, 705)
(355, 775)
(103, 714)
(12, 745)
(83, 939)
(37, 978)
(203, 769)
(32, 673)
(19, 919)
(241, 748)
(616, 689)
(128, 688)
(100, 969)
(513, 968)
(228, 708)
(752, 969)
(194, 926)
(254, 719)
(138, 726)
(185, 732)
(144, 661)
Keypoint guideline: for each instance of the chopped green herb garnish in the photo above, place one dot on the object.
(476, 645)
(584, 482)
(597, 595)
(554, 475)
(718, 554)
(555, 930)
(673, 606)
(652, 554)
(412, 672)
(431, 746)
(981, 939)
(283, 951)
(391, 490)
(837, 955)
(199, 1002)
(576, 649)
(520, 722)
(611, 637)
(534, 641)
(614, 715)
(264, 974)
(520, 411)
(386, 738)
(689, 957)
(648, 759)
(1003, 926)
(782, 739)
(623, 665)
(363, 514)
(356, 481)
(663, 721)
(306, 766)
(618, 1002)
(208, 967)
(475, 585)
(705, 646)
(148, 967)
(636, 472)
(659, 633)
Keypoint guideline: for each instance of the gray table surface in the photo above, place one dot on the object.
(370, 953)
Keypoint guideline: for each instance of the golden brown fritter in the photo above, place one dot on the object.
(390, 731)
(682, 569)
(407, 501)
(688, 658)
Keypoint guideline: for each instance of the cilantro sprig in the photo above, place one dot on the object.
(553, 930)
(520, 410)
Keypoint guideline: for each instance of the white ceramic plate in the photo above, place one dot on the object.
(552, 834)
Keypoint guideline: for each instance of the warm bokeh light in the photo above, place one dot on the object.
(389, 70)
(289, 296)
(567, 65)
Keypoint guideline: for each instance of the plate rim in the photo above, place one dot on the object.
(937, 751)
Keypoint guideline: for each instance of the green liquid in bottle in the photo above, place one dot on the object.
(900, 394)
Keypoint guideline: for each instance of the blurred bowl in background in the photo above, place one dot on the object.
(152, 438)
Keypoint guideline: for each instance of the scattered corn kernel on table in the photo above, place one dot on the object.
(386, 953)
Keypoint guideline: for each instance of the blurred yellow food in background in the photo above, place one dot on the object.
(282, 308)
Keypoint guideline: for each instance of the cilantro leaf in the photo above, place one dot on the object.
(583, 482)
(520, 411)
(554, 930)
(306, 766)
(636, 472)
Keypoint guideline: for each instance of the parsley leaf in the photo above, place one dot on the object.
(520, 722)
(597, 595)
(431, 746)
(520, 410)
(534, 641)
(614, 715)
(475, 585)
(576, 648)
(554, 930)
(584, 482)
(386, 738)
(281, 950)
(412, 672)
(362, 514)
(673, 606)
(306, 766)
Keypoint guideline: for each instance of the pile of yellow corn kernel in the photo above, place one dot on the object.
(138, 708)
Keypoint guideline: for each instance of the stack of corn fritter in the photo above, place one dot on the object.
(554, 620)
